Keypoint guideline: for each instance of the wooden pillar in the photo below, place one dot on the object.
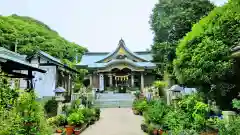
(132, 80)
(90, 80)
(69, 84)
(142, 81)
(30, 81)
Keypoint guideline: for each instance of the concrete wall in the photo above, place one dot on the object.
(45, 83)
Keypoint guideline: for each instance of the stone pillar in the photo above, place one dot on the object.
(132, 80)
(59, 108)
(142, 81)
(110, 80)
(101, 82)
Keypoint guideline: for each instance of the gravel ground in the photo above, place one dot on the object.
(116, 121)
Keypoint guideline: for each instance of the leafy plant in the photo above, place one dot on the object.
(236, 104)
(231, 128)
(97, 112)
(51, 107)
(140, 105)
(76, 118)
(155, 112)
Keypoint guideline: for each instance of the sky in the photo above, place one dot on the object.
(95, 24)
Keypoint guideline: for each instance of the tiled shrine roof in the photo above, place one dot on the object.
(103, 59)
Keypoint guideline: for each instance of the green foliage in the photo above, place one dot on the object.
(155, 112)
(51, 107)
(88, 114)
(8, 96)
(31, 35)
(203, 56)
(97, 112)
(231, 128)
(137, 94)
(236, 104)
(32, 113)
(159, 84)
(56, 121)
(170, 21)
(193, 114)
(76, 118)
(177, 120)
(140, 105)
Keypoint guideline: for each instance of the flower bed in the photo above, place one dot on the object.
(76, 121)
(188, 115)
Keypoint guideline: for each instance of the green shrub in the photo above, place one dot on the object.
(97, 112)
(76, 118)
(236, 104)
(155, 112)
(51, 107)
(88, 114)
(204, 54)
(137, 94)
(231, 128)
(140, 105)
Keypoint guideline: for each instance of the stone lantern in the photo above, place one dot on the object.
(59, 97)
(174, 93)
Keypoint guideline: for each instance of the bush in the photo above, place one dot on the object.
(51, 107)
(76, 118)
(236, 104)
(204, 54)
(155, 112)
(59, 120)
(97, 113)
(140, 105)
(231, 128)
(88, 114)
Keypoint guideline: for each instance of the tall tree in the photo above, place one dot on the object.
(170, 21)
(204, 54)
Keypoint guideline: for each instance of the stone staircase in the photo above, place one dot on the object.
(114, 100)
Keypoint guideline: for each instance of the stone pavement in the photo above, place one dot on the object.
(116, 121)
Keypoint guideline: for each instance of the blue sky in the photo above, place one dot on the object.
(95, 24)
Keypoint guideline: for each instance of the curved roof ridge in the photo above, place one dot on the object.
(121, 43)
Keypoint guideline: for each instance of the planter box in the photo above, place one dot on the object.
(77, 132)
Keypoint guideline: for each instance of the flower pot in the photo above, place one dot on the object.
(59, 131)
(77, 132)
(160, 132)
(155, 132)
(69, 130)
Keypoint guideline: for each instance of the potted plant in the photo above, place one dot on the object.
(77, 131)
(155, 132)
(75, 119)
(69, 129)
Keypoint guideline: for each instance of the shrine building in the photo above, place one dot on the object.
(120, 68)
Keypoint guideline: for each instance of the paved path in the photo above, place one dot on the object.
(116, 121)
